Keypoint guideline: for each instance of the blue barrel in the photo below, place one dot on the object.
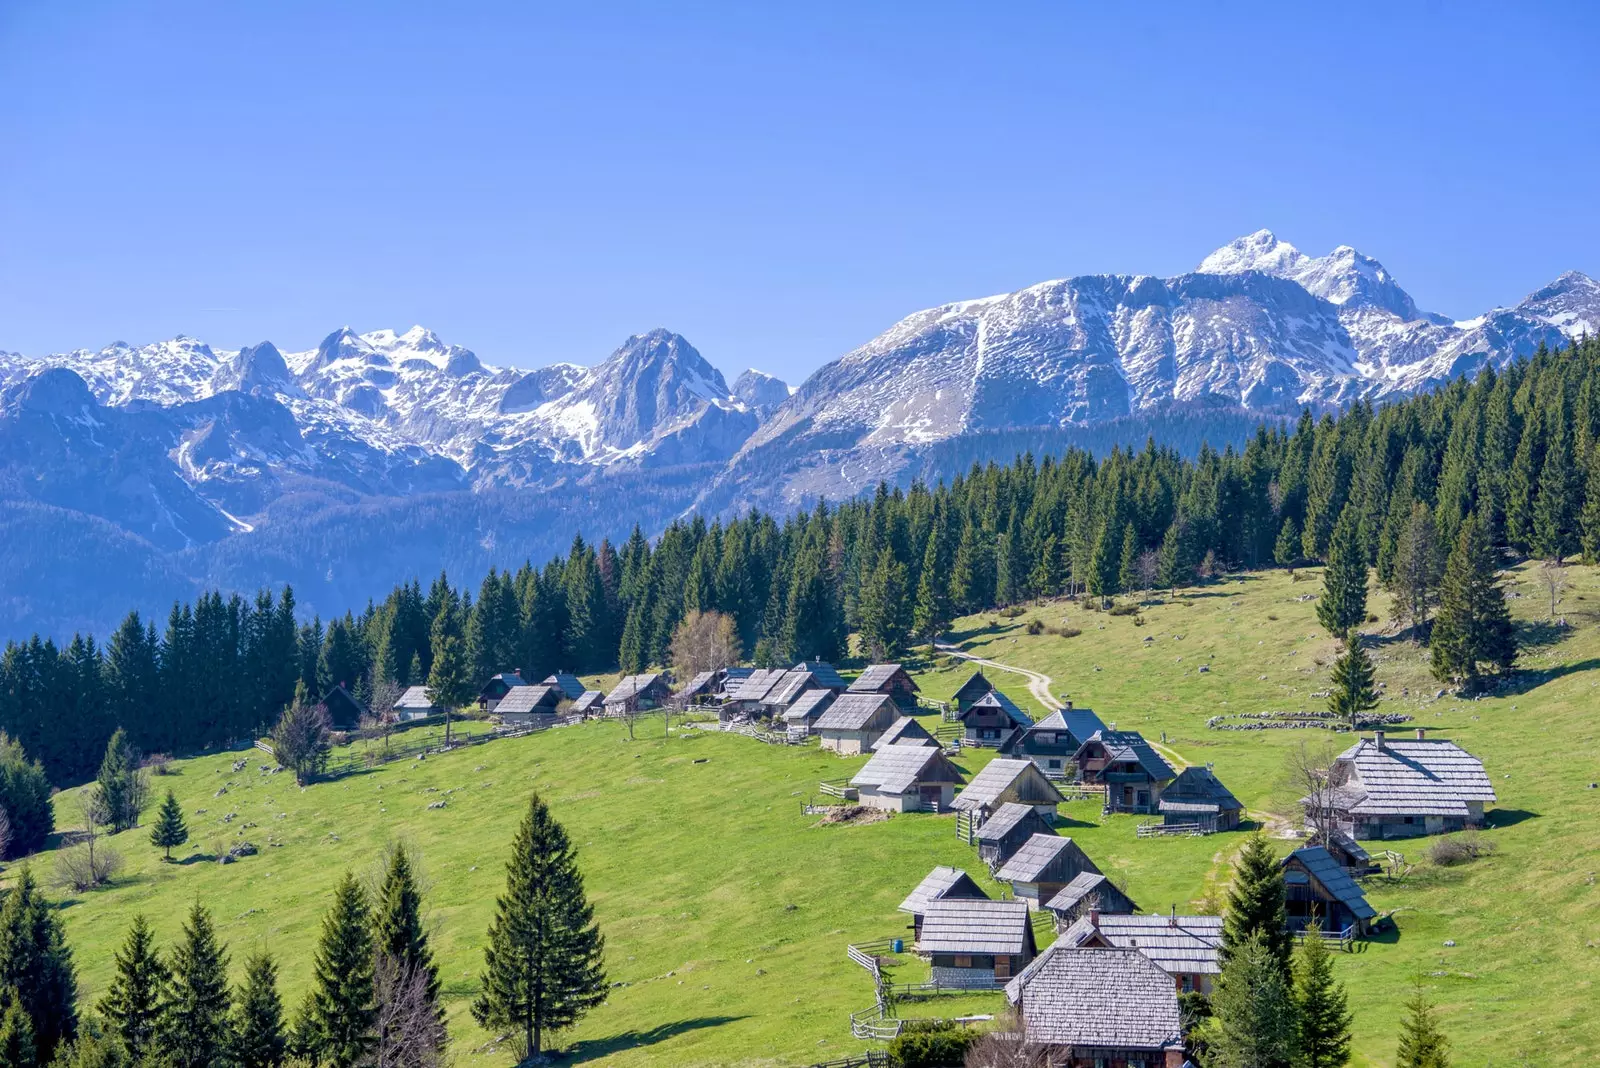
(898, 945)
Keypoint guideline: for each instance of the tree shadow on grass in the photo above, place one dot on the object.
(1507, 817)
(598, 1048)
(1523, 681)
(1542, 633)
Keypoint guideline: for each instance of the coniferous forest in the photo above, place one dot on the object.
(1507, 461)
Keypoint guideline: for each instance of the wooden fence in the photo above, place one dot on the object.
(1156, 829)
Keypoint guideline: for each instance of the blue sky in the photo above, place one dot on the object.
(777, 183)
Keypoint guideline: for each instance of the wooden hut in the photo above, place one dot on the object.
(1197, 798)
(1124, 763)
(1042, 867)
(941, 883)
(413, 704)
(992, 720)
(1003, 833)
(638, 693)
(1052, 742)
(495, 690)
(1397, 788)
(530, 706)
(746, 699)
(1112, 1008)
(906, 731)
(571, 686)
(1317, 887)
(801, 716)
(1000, 781)
(1187, 948)
(589, 703)
(975, 687)
(854, 721)
(907, 778)
(345, 712)
(1090, 890)
(976, 944)
(891, 680)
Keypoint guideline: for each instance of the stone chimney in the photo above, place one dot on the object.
(1377, 739)
(1094, 916)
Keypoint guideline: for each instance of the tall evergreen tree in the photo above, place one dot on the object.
(1417, 568)
(1343, 604)
(1323, 1020)
(397, 924)
(137, 997)
(543, 968)
(36, 965)
(341, 1006)
(258, 1034)
(883, 622)
(25, 799)
(169, 830)
(1473, 629)
(1422, 1042)
(1353, 691)
(1256, 905)
(1591, 509)
(196, 1030)
(17, 1046)
(1286, 551)
(1254, 1008)
(1557, 532)
(120, 792)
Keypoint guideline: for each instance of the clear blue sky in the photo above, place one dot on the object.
(777, 182)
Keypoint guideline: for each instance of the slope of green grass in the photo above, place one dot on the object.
(726, 909)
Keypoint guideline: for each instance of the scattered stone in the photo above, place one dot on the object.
(242, 849)
(220, 791)
(1450, 942)
(240, 765)
(439, 804)
(1205, 669)
(702, 760)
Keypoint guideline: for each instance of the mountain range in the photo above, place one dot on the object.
(380, 455)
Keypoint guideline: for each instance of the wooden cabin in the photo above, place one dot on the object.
(745, 700)
(1004, 832)
(854, 721)
(941, 883)
(1090, 890)
(891, 680)
(1132, 773)
(530, 706)
(1042, 867)
(791, 685)
(907, 778)
(700, 690)
(412, 705)
(1112, 1008)
(976, 944)
(823, 675)
(975, 687)
(801, 716)
(1398, 788)
(1002, 781)
(638, 693)
(1318, 888)
(1052, 742)
(571, 686)
(589, 703)
(1187, 948)
(906, 731)
(1197, 799)
(345, 712)
(991, 721)
(495, 690)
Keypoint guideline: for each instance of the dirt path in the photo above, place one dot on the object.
(1039, 686)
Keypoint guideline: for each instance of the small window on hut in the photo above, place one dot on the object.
(963, 961)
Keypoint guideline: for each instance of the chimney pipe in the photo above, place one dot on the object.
(1377, 739)
(1172, 921)
(517, 672)
(1069, 707)
(1422, 734)
(1094, 915)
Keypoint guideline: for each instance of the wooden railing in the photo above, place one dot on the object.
(1156, 829)
(966, 826)
(873, 1058)
(839, 788)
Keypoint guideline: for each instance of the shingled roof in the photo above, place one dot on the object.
(906, 731)
(589, 701)
(1179, 945)
(940, 883)
(1046, 858)
(875, 677)
(1130, 746)
(1003, 821)
(1081, 723)
(852, 711)
(570, 684)
(1333, 877)
(631, 686)
(995, 701)
(1198, 790)
(826, 674)
(895, 769)
(790, 685)
(976, 927)
(976, 686)
(808, 705)
(1107, 998)
(996, 777)
(415, 699)
(1086, 883)
(528, 699)
(757, 685)
(1412, 778)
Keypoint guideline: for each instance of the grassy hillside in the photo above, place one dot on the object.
(726, 909)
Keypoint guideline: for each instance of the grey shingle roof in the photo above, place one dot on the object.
(975, 926)
(1413, 778)
(875, 676)
(996, 778)
(702, 682)
(808, 706)
(895, 769)
(1109, 998)
(415, 699)
(1046, 858)
(570, 685)
(590, 700)
(1081, 723)
(1334, 879)
(1126, 746)
(1179, 945)
(1198, 790)
(826, 674)
(1073, 894)
(1003, 821)
(976, 686)
(906, 731)
(632, 685)
(790, 685)
(526, 699)
(852, 711)
(940, 883)
(995, 701)
(756, 686)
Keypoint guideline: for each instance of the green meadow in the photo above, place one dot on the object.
(727, 909)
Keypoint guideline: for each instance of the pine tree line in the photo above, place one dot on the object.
(1508, 459)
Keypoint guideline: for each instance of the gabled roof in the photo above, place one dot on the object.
(1007, 818)
(1087, 883)
(790, 685)
(755, 687)
(976, 927)
(906, 731)
(997, 777)
(940, 883)
(877, 676)
(1081, 723)
(854, 711)
(633, 685)
(589, 701)
(510, 678)
(414, 699)
(1179, 945)
(975, 687)
(1130, 747)
(1333, 877)
(1046, 858)
(571, 685)
(826, 674)
(895, 769)
(995, 701)
(703, 682)
(808, 706)
(1413, 778)
(526, 699)
(1108, 998)
(1198, 790)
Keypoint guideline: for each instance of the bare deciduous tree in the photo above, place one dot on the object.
(1553, 578)
(704, 641)
(1149, 569)
(1007, 1046)
(89, 862)
(1312, 771)
(408, 1031)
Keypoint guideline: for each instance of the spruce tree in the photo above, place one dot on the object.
(1343, 604)
(1254, 1008)
(196, 1031)
(1323, 1020)
(397, 923)
(1416, 569)
(1591, 509)
(1473, 628)
(17, 1046)
(1286, 552)
(1556, 528)
(170, 830)
(1128, 561)
(36, 965)
(258, 1035)
(1422, 1043)
(341, 1008)
(543, 968)
(1105, 563)
(1256, 904)
(449, 686)
(137, 997)
(931, 615)
(1352, 692)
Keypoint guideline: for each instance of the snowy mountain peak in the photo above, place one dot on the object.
(761, 391)
(1344, 277)
(1261, 251)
